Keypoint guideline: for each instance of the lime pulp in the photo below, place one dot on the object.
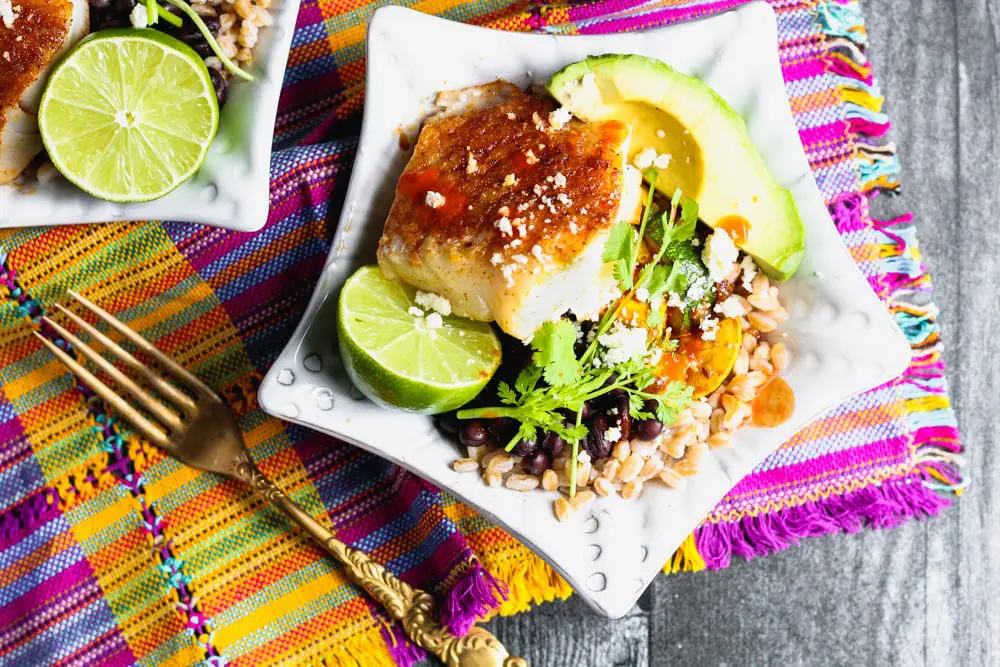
(129, 114)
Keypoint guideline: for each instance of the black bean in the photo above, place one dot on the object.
(99, 4)
(526, 447)
(647, 429)
(213, 25)
(597, 444)
(537, 463)
(473, 434)
(624, 418)
(503, 429)
(553, 444)
(585, 413)
(201, 47)
(220, 83)
(447, 422)
(649, 405)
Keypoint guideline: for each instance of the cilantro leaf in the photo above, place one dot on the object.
(620, 248)
(553, 345)
(677, 280)
(527, 379)
(506, 394)
(684, 230)
(657, 283)
(619, 243)
(623, 274)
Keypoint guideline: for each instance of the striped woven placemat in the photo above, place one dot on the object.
(111, 553)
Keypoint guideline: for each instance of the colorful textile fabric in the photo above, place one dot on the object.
(112, 553)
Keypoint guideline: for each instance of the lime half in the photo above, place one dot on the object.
(128, 114)
(404, 359)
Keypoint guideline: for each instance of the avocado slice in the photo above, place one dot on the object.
(712, 158)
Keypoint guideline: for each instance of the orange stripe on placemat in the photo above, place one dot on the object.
(49, 550)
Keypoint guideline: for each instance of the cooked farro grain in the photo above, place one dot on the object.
(550, 480)
(720, 439)
(493, 478)
(621, 450)
(581, 498)
(611, 468)
(519, 482)
(631, 468)
(603, 487)
(465, 465)
(631, 489)
(671, 478)
(761, 322)
(562, 508)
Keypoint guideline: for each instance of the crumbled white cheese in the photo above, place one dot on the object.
(433, 199)
(530, 157)
(749, 272)
(662, 161)
(563, 199)
(573, 229)
(583, 457)
(661, 134)
(613, 434)
(435, 302)
(731, 307)
(511, 115)
(472, 166)
(8, 15)
(520, 259)
(536, 251)
(719, 255)
(560, 180)
(642, 294)
(508, 274)
(503, 224)
(434, 321)
(139, 18)
(622, 344)
(697, 290)
(504, 210)
(509, 180)
(675, 301)
(496, 259)
(654, 356)
(537, 120)
(415, 312)
(709, 328)
(644, 158)
(559, 118)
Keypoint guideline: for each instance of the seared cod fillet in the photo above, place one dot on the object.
(505, 212)
(33, 33)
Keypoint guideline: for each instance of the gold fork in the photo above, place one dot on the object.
(198, 429)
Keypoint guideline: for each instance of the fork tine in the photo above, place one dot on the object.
(169, 364)
(130, 414)
(169, 391)
(159, 411)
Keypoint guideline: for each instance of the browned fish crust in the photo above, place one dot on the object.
(29, 45)
(561, 186)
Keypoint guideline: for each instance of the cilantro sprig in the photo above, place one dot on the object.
(556, 384)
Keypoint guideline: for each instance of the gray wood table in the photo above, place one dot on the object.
(925, 593)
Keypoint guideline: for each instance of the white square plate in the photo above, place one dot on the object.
(232, 187)
(842, 339)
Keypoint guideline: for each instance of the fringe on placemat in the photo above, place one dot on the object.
(887, 505)
(404, 652)
(474, 595)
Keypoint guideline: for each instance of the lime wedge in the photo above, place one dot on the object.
(128, 114)
(405, 360)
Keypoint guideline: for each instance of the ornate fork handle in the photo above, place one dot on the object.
(415, 608)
